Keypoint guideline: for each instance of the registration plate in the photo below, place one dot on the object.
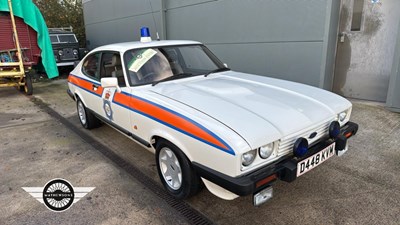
(313, 161)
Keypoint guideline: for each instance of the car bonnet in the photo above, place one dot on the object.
(257, 110)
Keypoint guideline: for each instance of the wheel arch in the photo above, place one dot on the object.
(156, 138)
(79, 97)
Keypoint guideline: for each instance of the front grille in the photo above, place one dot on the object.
(286, 144)
(68, 53)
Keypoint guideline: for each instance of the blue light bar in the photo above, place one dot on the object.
(145, 34)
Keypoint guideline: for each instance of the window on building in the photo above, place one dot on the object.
(358, 7)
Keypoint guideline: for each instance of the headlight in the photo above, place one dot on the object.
(75, 52)
(248, 157)
(342, 116)
(60, 52)
(266, 150)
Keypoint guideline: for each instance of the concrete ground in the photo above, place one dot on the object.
(361, 187)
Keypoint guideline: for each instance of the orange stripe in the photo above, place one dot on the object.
(85, 84)
(167, 117)
(153, 111)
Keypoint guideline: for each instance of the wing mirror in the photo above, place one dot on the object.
(226, 65)
(110, 82)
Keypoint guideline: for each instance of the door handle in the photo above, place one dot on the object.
(94, 87)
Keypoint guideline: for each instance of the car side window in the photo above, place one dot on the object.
(106, 64)
(111, 67)
(91, 66)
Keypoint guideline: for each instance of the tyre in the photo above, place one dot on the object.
(176, 172)
(28, 87)
(87, 119)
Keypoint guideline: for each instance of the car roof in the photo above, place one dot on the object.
(55, 31)
(124, 46)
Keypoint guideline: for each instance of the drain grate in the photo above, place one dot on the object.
(192, 215)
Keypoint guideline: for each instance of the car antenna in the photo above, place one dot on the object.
(154, 20)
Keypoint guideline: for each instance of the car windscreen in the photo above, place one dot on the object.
(54, 39)
(149, 65)
(67, 38)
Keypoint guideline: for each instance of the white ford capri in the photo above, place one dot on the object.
(235, 133)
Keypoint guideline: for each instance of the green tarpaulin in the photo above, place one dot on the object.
(31, 15)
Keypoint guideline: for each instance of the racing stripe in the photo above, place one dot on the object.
(172, 119)
(85, 84)
(158, 113)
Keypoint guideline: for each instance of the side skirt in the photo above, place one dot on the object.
(127, 133)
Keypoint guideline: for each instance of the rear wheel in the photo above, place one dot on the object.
(175, 171)
(87, 119)
(28, 87)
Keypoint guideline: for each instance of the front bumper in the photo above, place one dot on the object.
(70, 63)
(284, 169)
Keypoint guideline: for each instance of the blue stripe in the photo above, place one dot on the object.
(94, 93)
(90, 81)
(91, 92)
(229, 150)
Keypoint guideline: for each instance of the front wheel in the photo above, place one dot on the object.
(176, 172)
(87, 119)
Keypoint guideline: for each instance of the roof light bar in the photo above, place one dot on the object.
(145, 34)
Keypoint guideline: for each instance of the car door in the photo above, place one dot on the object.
(139, 73)
(143, 66)
(89, 82)
(114, 112)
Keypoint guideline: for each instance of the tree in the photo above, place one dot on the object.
(64, 13)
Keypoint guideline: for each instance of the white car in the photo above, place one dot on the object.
(237, 133)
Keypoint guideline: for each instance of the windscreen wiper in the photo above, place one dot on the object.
(173, 77)
(217, 70)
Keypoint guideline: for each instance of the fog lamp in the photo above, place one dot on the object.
(262, 196)
(300, 147)
(334, 129)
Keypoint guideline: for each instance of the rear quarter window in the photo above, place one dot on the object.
(90, 66)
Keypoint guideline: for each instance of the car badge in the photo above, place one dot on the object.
(312, 135)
